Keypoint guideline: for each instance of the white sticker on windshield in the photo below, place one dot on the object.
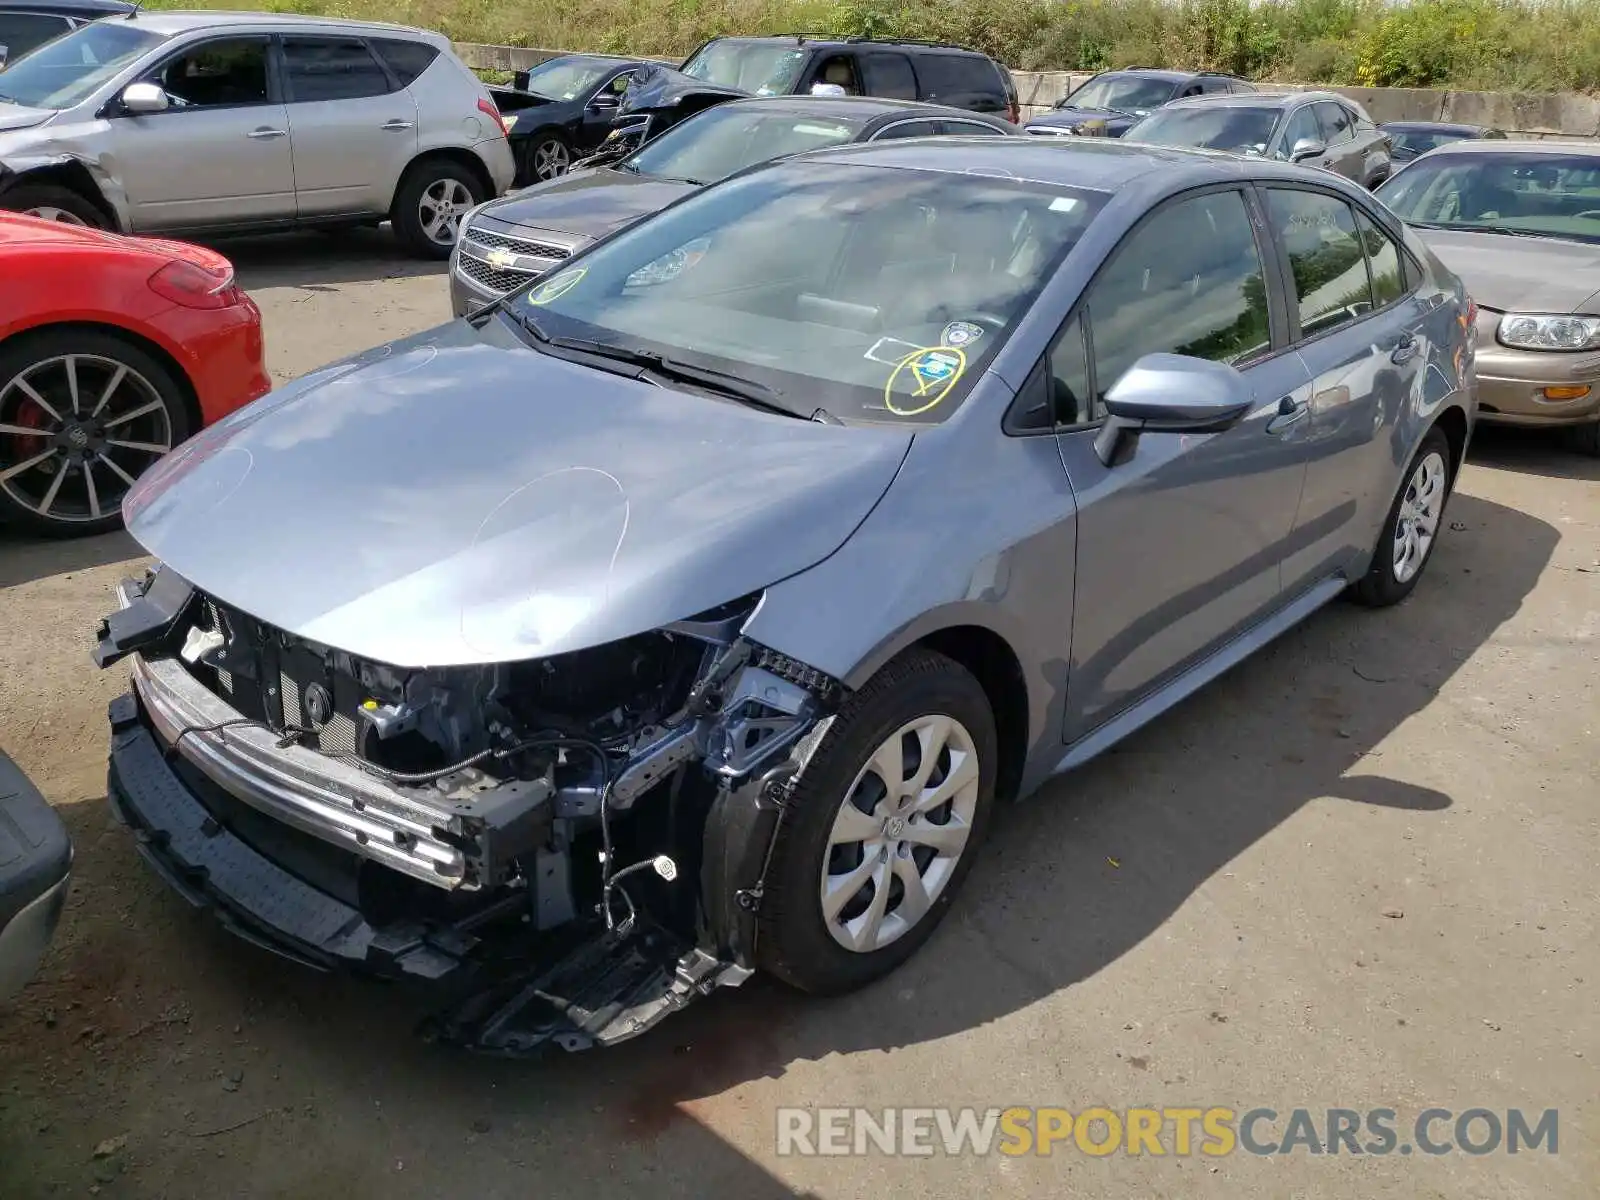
(1063, 204)
(893, 348)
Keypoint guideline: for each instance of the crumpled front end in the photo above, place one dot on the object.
(570, 848)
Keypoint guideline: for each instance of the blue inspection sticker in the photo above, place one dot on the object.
(933, 367)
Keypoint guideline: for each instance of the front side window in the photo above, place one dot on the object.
(222, 74)
(331, 69)
(1122, 93)
(1188, 281)
(1303, 126)
(878, 294)
(1337, 123)
(714, 144)
(1234, 128)
(760, 68)
(1318, 236)
(906, 129)
(1550, 194)
(71, 68)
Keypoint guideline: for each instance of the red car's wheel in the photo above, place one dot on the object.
(82, 415)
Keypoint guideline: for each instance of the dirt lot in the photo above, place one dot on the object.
(1358, 872)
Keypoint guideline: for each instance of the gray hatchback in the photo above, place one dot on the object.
(687, 613)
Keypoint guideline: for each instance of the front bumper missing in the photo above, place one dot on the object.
(510, 994)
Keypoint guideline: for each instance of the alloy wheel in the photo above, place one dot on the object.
(47, 212)
(899, 833)
(551, 159)
(1418, 520)
(76, 431)
(444, 202)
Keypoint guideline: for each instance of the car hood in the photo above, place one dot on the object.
(1519, 274)
(15, 116)
(664, 87)
(459, 498)
(1073, 118)
(587, 203)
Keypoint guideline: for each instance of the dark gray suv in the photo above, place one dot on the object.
(1314, 129)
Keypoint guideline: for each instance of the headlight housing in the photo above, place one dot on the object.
(1535, 331)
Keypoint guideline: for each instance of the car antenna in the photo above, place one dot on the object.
(134, 11)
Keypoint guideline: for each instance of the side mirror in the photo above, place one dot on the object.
(140, 98)
(606, 99)
(1307, 148)
(1170, 393)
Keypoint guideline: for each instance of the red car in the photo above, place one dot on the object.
(112, 351)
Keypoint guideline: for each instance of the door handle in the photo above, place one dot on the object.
(1403, 349)
(1290, 412)
(259, 134)
(397, 126)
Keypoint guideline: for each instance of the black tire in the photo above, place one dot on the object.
(434, 179)
(793, 941)
(26, 197)
(1381, 586)
(1585, 439)
(546, 146)
(98, 355)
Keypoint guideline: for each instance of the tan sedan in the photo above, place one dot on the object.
(1519, 222)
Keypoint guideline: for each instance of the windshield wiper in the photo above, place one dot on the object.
(747, 391)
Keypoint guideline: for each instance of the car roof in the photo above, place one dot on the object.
(1254, 99)
(1432, 127)
(1165, 73)
(828, 43)
(173, 22)
(68, 7)
(860, 108)
(579, 56)
(1572, 149)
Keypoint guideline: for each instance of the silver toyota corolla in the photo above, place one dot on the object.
(217, 122)
(687, 613)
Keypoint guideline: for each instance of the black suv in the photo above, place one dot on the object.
(898, 70)
(1109, 104)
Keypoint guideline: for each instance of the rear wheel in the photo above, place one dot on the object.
(1412, 527)
(51, 202)
(429, 204)
(82, 415)
(547, 157)
(882, 827)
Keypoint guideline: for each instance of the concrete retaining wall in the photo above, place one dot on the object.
(1557, 115)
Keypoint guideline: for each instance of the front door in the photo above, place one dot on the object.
(352, 131)
(219, 155)
(1357, 327)
(1346, 155)
(1179, 547)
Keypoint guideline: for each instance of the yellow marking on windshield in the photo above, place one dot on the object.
(935, 370)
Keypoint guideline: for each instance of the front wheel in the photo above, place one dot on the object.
(49, 202)
(82, 415)
(881, 829)
(431, 201)
(547, 157)
(1411, 528)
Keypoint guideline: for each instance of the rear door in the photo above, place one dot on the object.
(1356, 322)
(220, 154)
(352, 127)
(967, 81)
(1179, 547)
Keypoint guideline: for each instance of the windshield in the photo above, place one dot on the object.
(567, 78)
(760, 68)
(1239, 130)
(877, 294)
(71, 68)
(1128, 93)
(720, 141)
(1552, 195)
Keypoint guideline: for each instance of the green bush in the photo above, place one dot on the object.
(1523, 45)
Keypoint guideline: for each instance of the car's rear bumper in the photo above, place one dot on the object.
(35, 868)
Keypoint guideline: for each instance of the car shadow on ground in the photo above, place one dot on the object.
(24, 559)
(312, 259)
(1531, 452)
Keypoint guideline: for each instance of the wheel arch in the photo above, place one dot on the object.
(1452, 422)
(69, 173)
(150, 346)
(453, 154)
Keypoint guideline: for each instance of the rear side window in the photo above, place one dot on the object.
(970, 129)
(1318, 234)
(21, 32)
(906, 129)
(406, 59)
(890, 75)
(964, 80)
(331, 69)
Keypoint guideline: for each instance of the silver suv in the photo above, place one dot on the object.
(225, 122)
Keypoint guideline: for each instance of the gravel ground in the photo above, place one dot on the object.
(1357, 872)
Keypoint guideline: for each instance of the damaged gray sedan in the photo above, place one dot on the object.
(685, 614)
